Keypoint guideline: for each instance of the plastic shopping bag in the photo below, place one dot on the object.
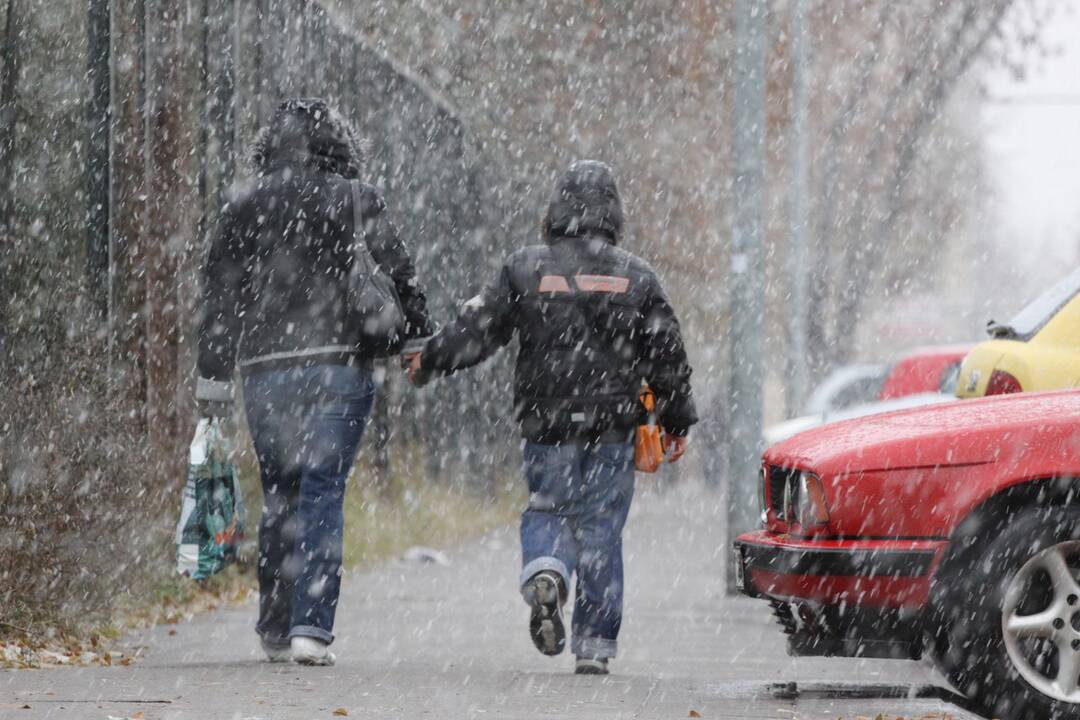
(212, 514)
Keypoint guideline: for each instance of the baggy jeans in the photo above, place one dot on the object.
(306, 424)
(579, 497)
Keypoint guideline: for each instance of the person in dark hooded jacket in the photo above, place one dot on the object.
(592, 323)
(274, 305)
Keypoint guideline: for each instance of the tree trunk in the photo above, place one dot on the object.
(224, 116)
(8, 90)
(217, 127)
(168, 218)
(98, 76)
(128, 341)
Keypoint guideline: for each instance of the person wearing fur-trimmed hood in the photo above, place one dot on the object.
(274, 306)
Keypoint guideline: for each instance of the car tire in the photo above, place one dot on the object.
(1006, 616)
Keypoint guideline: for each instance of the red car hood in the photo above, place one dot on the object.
(965, 432)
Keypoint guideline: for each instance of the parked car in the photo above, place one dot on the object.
(846, 386)
(951, 530)
(930, 369)
(787, 428)
(923, 376)
(1039, 349)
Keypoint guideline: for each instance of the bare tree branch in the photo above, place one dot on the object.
(862, 266)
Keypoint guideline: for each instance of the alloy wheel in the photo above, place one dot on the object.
(1040, 621)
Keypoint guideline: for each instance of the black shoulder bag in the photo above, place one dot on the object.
(374, 318)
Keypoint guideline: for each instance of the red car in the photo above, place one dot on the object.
(924, 370)
(951, 530)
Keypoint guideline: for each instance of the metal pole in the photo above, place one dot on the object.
(747, 313)
(798, 257)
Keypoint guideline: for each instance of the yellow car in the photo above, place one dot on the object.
(1039, 349)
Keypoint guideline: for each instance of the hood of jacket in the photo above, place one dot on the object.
(585, 202)
(308, 132)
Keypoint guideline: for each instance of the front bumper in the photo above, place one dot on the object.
(869, 573)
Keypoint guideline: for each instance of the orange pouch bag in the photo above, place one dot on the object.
(648, 448)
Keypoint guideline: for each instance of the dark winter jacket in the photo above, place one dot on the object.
(275, 280)
(592, 322)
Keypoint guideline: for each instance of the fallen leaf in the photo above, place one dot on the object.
(341, 712)
(694, 713)
(172, 632)
(138, 716)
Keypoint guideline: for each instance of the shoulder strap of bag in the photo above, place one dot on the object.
(362, 258)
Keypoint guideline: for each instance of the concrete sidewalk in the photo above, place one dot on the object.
(421, 640)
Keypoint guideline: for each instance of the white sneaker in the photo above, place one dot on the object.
(310, 651)
(276, 653)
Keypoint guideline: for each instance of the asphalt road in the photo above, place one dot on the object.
(424, 640)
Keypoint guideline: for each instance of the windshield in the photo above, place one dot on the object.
(1031, 319)
(844, 387)
(949, 376)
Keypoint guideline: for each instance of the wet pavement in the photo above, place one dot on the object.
(424, 640)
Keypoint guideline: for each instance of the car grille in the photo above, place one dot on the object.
(779, 477)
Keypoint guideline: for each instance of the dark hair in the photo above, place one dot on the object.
(309, 131)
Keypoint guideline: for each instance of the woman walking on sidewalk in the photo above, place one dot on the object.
(274, 303)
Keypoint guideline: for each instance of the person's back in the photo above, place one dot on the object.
(582, 310)
(283, 251)
(274, 304)
(593, 324)
(293, 296)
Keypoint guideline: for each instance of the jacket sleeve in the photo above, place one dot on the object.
(393, 258)
(483, 325)
(666, 368)
(224, 275)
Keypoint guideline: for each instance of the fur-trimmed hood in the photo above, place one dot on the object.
(309, 132)
(585, 202)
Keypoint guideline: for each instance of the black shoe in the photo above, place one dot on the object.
(591, 666)
(546, 624)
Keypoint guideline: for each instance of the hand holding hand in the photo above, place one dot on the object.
(676, 446)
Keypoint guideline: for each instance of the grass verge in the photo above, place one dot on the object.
(386, 513)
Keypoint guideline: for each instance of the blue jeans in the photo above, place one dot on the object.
(579, 497)
(306, 424)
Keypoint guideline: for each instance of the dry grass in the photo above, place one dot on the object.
(382, 520)
(382, 523)
(385, 516)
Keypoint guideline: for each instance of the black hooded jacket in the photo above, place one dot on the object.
(274, 283)
(592, 322)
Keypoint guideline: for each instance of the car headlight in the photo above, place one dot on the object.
(804, 501)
